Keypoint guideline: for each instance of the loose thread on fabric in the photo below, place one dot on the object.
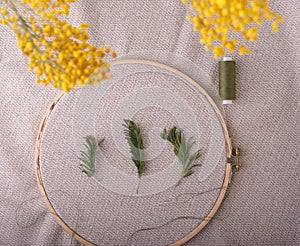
(193, 194)
(17, 214)
(167, 223)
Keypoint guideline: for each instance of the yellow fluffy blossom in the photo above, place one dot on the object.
(59, 53)
(216, 21)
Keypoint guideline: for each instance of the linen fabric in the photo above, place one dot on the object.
(262, 203)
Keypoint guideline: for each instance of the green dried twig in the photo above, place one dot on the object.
(87, 158)
(182, 150)
(134, 138)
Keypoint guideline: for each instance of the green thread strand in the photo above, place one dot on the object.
(227, 80)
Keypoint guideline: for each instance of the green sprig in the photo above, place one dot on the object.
(182, 150)
(134, 138)
(87, 158)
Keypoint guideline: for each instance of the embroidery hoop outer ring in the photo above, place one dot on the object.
(228, 146)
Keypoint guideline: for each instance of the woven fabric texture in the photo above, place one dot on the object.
(262, 204)
(109, 211)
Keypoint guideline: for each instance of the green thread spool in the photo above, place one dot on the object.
(227, 80)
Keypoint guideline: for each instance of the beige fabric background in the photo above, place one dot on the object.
(105, 209)
(261, 207)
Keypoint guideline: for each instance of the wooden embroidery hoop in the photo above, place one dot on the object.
(228, 168)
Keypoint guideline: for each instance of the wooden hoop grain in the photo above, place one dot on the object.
(226, 179)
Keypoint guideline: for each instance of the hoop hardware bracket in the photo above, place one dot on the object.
(234, 160)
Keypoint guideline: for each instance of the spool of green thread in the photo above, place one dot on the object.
(227, 80)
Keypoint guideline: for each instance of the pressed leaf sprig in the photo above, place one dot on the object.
(58, 52)
(182, 149)
(134, 138)
(87, 158)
